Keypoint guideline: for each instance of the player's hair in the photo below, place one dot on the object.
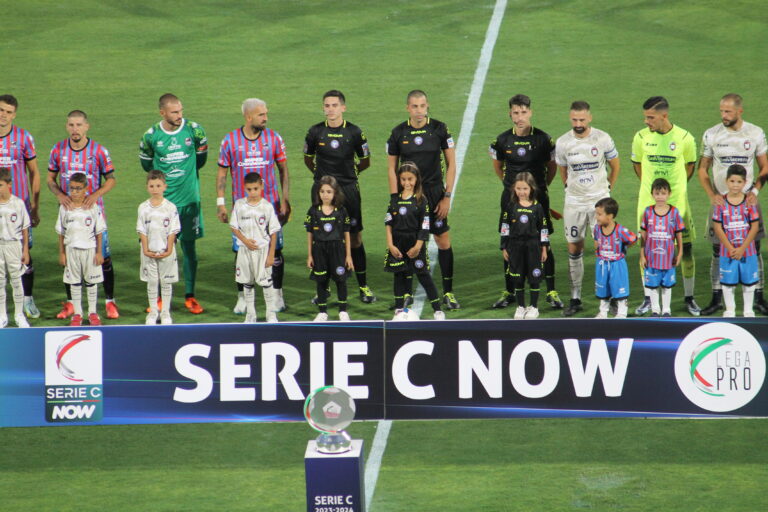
(413, 169)
(661, 184)
(656, 103)
(735, 98)
(338, 195)
(416, 93)
(520, 100)
(166, 99)
(609, 206)
(529, 180)
(79, 177)
(253, 177)
(736, 170)
(154, 174)
(252, 103)
(5, 175)
(335, 93)
(10, 100)
(78, 113)
(580, 105)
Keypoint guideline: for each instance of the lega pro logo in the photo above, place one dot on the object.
(720, 367)
(73, 376)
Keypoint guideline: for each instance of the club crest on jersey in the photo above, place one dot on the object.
(524, 219)
(166, 222)
(747, 145)
(536, 272)
(418, 263)
(334, 144)
(672, 146)
(262, 219)
(339, 271)
(13, 217)
(438, 223)
(237, 271)
(520, 151)
(188, 141)
(88, 221)
(593, 151)
(402, 210)
(327, 227)
(353, 221)
(418, 140)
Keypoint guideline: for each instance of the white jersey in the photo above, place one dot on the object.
(157, 223)
(585, 160)
(80, 226)
(255, 222)
(14, 219)
(727, 147)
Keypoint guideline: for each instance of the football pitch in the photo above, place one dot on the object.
(113, 60)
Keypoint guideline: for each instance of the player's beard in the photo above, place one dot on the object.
(257, 129)
(579, 129)
(731, 123)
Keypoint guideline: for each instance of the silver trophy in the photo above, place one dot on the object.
(330, 410)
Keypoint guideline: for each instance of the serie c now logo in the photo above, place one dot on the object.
(720, 367)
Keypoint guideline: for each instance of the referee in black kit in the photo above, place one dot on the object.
(526, 148)
(428, 143)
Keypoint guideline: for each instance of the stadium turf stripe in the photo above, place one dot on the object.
(468, 122)
(374, 460)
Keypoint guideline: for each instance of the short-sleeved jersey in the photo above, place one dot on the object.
(335, 149)
(242, 156)
(93, 161)
(157, 223)
(408, 217)
(736, 220)
(522, 223)
(727, 147)
(80, 226)
(255, 221)
(423, 146)
(524, 153)
(585, 160)
(327, 227)
(14, 219)
(613, 246)
(664, 155)
(660, 240)
(175, 153)
(16, 149)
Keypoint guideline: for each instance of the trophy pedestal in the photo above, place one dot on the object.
(335, 481)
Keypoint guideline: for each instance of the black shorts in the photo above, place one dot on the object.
(434, 194)
(506, 197)
(352, 203)
(328, 259)
(525, 260)
(417, 265)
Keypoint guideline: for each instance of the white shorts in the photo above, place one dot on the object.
(712, 237)
(80, 267)
(577, 220)
(250, 269)
(164, 271)
(10, 258)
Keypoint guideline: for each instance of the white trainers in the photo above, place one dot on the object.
(151, 318)
(602, 315)
(344, 316)
(30, 309)
(749, 314)
(272, 317)
(729, 314)
(165, 318)
(321, 317)
(520, 313)
(3, 321)
(439, 315)
(400, 315)
(531, 312)
(249, 319)
(239, 308)
(21, 320)
(279, 301)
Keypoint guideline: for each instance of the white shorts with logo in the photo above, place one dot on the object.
(80, 267)
(579, 221)
(250, 269)
(712, 237)
(10, 258)
(164, 270)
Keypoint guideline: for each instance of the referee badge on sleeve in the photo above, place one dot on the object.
(425, 223)
(504, 229)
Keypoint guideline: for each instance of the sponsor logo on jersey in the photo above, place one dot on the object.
(73, 376)
(334, 144)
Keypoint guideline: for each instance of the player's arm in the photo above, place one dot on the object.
(62, 251)
(363, 163)
(246, 242)
(221, 190)
(34, 191)
(762, 175)
(98, 258)
(638, 169)
(613, 175)
(717, 226)
(271, 251)
(348, 246)
(563, 174)
(391, 245)
(690, 167)
(551, 171)
(705, 163)
(201, 146)
(392, 173)
(25, 246)
(53, 186)
(679, 251)
(498, 168)
(444, 205)
(309, 162)
(109, 184)
(643, 239)
(145, 246)
(310, 260)
(146, 153)
(285, 186)
(169, 245)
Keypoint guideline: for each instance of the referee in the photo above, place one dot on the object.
(339, 148)
(525, 148)
(428, 143)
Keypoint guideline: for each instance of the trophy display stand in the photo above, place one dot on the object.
(333, 463)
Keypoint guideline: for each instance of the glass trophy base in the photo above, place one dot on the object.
(340, 442)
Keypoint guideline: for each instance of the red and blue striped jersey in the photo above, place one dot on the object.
(242, 156)
(736, 220)
(660, 236)
(613, 246)
(93, 161)
(16, 149)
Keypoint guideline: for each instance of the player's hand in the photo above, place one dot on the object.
(98, 259)
(751, 199)
(284, 207)
(543, 254)
(348, 263)
(413, 251)
(34, 216)
(394, 251)
(738, 252)
(251, 244)
(270, 261)
(65, 201)
(505, 254)
(89, 201)
(718, 200)
(643, 261)
(678, 259)
(442, 208)
(62, 259)
(25, 256)
(310, 262)
(221, 213)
